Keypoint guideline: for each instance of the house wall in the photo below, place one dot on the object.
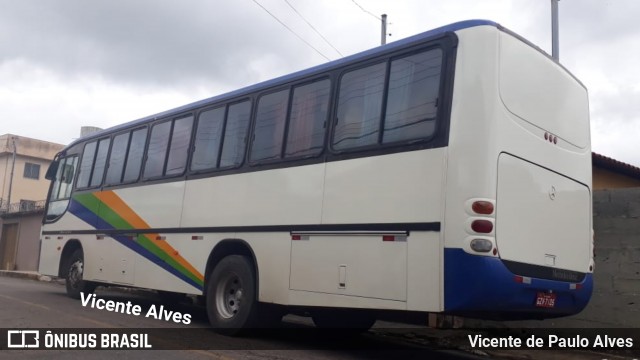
(606, 179)
(27, 151)
(27, 253)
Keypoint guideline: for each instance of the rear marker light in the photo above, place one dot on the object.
(481, 245)
(522, 279)
(160, 238)
(575, 286)
(296, 237)
(388, 238)
(482, 207)
(482, 226)
(196, 237)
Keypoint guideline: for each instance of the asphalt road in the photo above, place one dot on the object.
(33, 304)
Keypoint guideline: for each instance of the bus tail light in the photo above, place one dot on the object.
(481, 245)
(482, 226)
(482, 207)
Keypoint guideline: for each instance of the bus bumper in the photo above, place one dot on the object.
(482, 287)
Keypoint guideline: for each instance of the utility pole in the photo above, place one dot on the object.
(13, 165)
(555, 45)
(383, 34)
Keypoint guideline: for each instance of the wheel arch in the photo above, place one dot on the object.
(69, 248)
(228, 247)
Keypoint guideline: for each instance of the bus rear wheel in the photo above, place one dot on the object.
(74, 276)
(231, 296)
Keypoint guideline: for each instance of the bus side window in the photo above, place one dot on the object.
(235, 135)
(135, 155)
(414, 85)
(66, 181)
(86, 164)
(207, 141)
(157, 152)
(269, 128)
(309, 110)
(179, 147)
(100, 162)
(116, 159)
(359, 107)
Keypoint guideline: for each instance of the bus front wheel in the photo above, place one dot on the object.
(231, 296)
(74, 276)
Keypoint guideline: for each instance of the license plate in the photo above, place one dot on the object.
(545, 300)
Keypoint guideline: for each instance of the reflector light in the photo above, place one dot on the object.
(481, 245)
(196, 237)
(522, 279)
(388, 238)
(482, 207)
(296, 237)
(575, 286)
(482, 226)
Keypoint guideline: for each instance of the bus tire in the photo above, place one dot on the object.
(231, 296)
(73, 276)
(344, 320)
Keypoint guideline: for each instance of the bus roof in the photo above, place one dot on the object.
(294, 76)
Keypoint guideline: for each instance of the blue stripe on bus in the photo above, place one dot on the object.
(92, 219)
(481, 285)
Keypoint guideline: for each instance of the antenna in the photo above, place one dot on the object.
(555, 43)
(383, 33)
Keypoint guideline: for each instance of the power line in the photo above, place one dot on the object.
(366, 11)
(314, 29)
(293, 32)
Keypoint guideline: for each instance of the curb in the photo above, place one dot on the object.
(30, 275)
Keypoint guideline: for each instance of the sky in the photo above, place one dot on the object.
(71, 63)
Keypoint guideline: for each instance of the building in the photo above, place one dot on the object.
(609, 173)
(22, 179)
(23, 190)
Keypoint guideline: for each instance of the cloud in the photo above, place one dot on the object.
(160, 43)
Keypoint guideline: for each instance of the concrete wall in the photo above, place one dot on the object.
(616, 298)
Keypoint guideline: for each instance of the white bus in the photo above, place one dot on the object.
(449, 172)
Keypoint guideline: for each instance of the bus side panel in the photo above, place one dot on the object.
(51, 246)
(287, 196)
(397, 188)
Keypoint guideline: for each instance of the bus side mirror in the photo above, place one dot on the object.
(52, 170)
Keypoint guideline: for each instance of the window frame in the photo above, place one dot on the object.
(254, 123)
(163, 173)
(30, 166)
(327, 119)
(445, 87)
(248, 134)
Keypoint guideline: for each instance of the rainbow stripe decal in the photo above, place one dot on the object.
(105, 210)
